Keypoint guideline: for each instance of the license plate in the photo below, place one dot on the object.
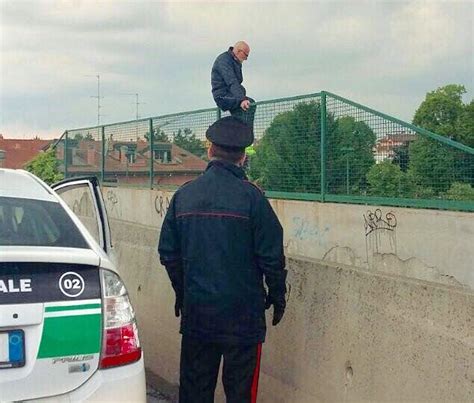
(12, 349)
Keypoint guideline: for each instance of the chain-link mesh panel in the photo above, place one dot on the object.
(83, 152)
(369, 154)
(58, 147)
(127, 153)
(179, 146)
(366, 153)
(184, 127)
(286, 155)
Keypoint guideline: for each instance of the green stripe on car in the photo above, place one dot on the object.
(71, 307)
(71, 335)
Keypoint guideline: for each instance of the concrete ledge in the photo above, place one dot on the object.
(354, 335)
(349, 334)
(381, 328)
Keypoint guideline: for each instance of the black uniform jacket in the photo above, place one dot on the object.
(219, 240)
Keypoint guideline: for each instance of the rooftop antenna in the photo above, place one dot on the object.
(137, 103)
(97, 96)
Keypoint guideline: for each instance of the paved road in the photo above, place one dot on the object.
(155, 396)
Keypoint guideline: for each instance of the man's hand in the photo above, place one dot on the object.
(278, 309)
(178, 305)
(245, 104)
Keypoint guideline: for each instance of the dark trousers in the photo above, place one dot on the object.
(200, 361)
(245, 116)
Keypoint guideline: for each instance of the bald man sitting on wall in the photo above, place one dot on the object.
(226, 81)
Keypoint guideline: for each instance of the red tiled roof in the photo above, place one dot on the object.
(19, 152)
(397, 138)
(393, 140)
(182, 161)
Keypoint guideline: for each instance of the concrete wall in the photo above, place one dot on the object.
(381, 302)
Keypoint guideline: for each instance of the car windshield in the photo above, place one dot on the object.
(27, 222)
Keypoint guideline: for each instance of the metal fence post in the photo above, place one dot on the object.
(102, 168)
(152, 157)
(65, 154)
(219, 113)
(323, 145)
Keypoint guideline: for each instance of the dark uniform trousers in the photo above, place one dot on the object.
(200, 361)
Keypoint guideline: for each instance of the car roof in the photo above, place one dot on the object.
(23, 184)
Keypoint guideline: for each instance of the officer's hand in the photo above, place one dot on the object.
(278, 309)
(245, 104)
(278, 313)
(178, 305)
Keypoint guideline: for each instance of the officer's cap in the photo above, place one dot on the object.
(230, 132)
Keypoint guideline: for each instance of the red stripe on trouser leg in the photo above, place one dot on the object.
(256, 374)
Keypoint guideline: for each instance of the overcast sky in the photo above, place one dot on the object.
(386, 55)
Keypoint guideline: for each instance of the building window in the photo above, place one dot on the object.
(162, 155)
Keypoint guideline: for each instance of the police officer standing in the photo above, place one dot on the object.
(219, 242)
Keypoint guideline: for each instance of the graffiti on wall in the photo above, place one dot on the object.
(374, 221)
(380, 233)
(162, 204)
(112, 199)
(304, 230)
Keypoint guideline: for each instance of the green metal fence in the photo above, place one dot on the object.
(313, 147)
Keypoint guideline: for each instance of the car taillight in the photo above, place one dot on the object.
(120, 344)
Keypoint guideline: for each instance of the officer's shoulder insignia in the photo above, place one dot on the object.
(255, 186)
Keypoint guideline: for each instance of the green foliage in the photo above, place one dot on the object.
(187, 140)
(441, 110)
(465, 125)
(349, 148)
(388, 180)
(460, 191)
(46, 166)
(159, 136)
(287, 158)
(401, 156)
(433, 165)
(80, 137)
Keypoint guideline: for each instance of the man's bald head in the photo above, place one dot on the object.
(241, 51)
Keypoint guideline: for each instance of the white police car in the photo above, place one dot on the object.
(67, 328)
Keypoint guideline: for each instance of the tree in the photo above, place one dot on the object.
(388, 180)
(159, 136)
(349, 155)
(187, 140)
(401, 156)
(433, 164)
(441, 110)
(46, 166)
(460, 191)
(465, 133)
(287, 158)
(80, 137)
(465, 125)
(384, 179)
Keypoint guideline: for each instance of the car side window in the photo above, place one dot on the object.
(81, 202)
(28, 222)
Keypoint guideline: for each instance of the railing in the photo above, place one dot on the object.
(313, 147)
